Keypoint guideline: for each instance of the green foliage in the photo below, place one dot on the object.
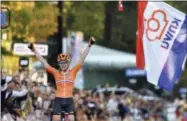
(5, 52)
(39, 21)
(40, 4)
(182, 5)
(124, 27)
(88, 18)
(67, 15)
(20, 22)
(44, 22)
(7, 3)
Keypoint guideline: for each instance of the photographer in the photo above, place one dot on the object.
(4, 85)
(9, 93)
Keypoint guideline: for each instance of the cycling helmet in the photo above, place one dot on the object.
(63, 57)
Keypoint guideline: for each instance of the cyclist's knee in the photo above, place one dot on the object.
(56, 117)
(71, 117)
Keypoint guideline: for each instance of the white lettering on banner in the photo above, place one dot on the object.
(169, 35)
(22, 49)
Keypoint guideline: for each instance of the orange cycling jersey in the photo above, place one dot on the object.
(64, 81)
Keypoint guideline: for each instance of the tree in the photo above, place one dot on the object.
(44, 21)
(120, 27)
(88, 17)
(38, 21)
(20, 22)
(182, 5)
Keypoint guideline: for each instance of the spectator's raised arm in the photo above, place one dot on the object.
(19, 93)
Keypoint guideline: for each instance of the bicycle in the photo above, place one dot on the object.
(64, 116)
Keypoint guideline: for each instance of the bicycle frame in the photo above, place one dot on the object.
(64, 117)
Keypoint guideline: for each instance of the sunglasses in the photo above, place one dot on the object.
(63, 62)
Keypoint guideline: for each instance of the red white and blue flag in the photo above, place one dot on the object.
(161, 43)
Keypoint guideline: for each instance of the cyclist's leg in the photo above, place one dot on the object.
(57, 110)
(70, 109)
(71, 117)
(56, 117)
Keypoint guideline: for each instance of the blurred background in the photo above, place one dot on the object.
(110, 68)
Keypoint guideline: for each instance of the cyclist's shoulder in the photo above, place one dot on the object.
(78, 65)
(70, 70)
(52, 68)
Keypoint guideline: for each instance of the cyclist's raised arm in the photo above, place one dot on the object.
(38, 56)
(42, 60)
(86, 51)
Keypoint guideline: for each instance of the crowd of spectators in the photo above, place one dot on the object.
(28, 100)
